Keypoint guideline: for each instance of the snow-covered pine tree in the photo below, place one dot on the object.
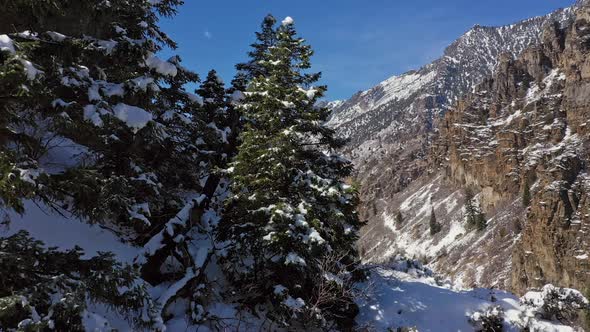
(266, 38)
(94, 123)
(475, 217)
(96, 86)
(219, 120)
(291, 223)
(246, 71)
(58, 286)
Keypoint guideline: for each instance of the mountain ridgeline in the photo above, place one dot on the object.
(494, 132)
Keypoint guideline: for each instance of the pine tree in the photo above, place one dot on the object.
(291, 220)
(480, 221)
(526, 194)
(266, 38)
(435, 226)
(470, 209)
(217, 118)
(480, 218)
(60, 285)
(475, 217)
(85, 74)
(98, 84)
(399, 219)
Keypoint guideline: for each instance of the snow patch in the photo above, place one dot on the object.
(6, 44)
(160, 66)
(134, 117)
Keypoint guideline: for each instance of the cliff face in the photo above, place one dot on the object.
(392, 125)
(527, 127)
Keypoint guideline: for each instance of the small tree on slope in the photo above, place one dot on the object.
(399, 218)
(290, 209)
(475, 217)
(435, 226)
(526, 194)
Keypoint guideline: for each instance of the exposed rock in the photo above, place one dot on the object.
(529, 124)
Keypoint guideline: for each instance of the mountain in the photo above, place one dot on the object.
(403, 140)
(390, 125)
(332, 104)
(367, 115)
(519, 142)
(526, 130)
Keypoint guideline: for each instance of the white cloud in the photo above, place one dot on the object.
(207, 34)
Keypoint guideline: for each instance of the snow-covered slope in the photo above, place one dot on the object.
(399, 293)
(466, 257)
(404, 294)
(396, 88)
(60, 230)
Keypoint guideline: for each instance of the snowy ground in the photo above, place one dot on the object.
(397, 296)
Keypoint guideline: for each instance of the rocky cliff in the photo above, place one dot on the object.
(526, 129)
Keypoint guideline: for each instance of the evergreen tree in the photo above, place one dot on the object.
(470, 209)
(93, 122)
(291, 221)
(475, 217)
(399, 219)
(97, 85)
(526, 194)
(60, 285)
(266, 38)
(480, 221)
(435, 226)
(217, 119)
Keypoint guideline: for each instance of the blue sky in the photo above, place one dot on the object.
(357, 43)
